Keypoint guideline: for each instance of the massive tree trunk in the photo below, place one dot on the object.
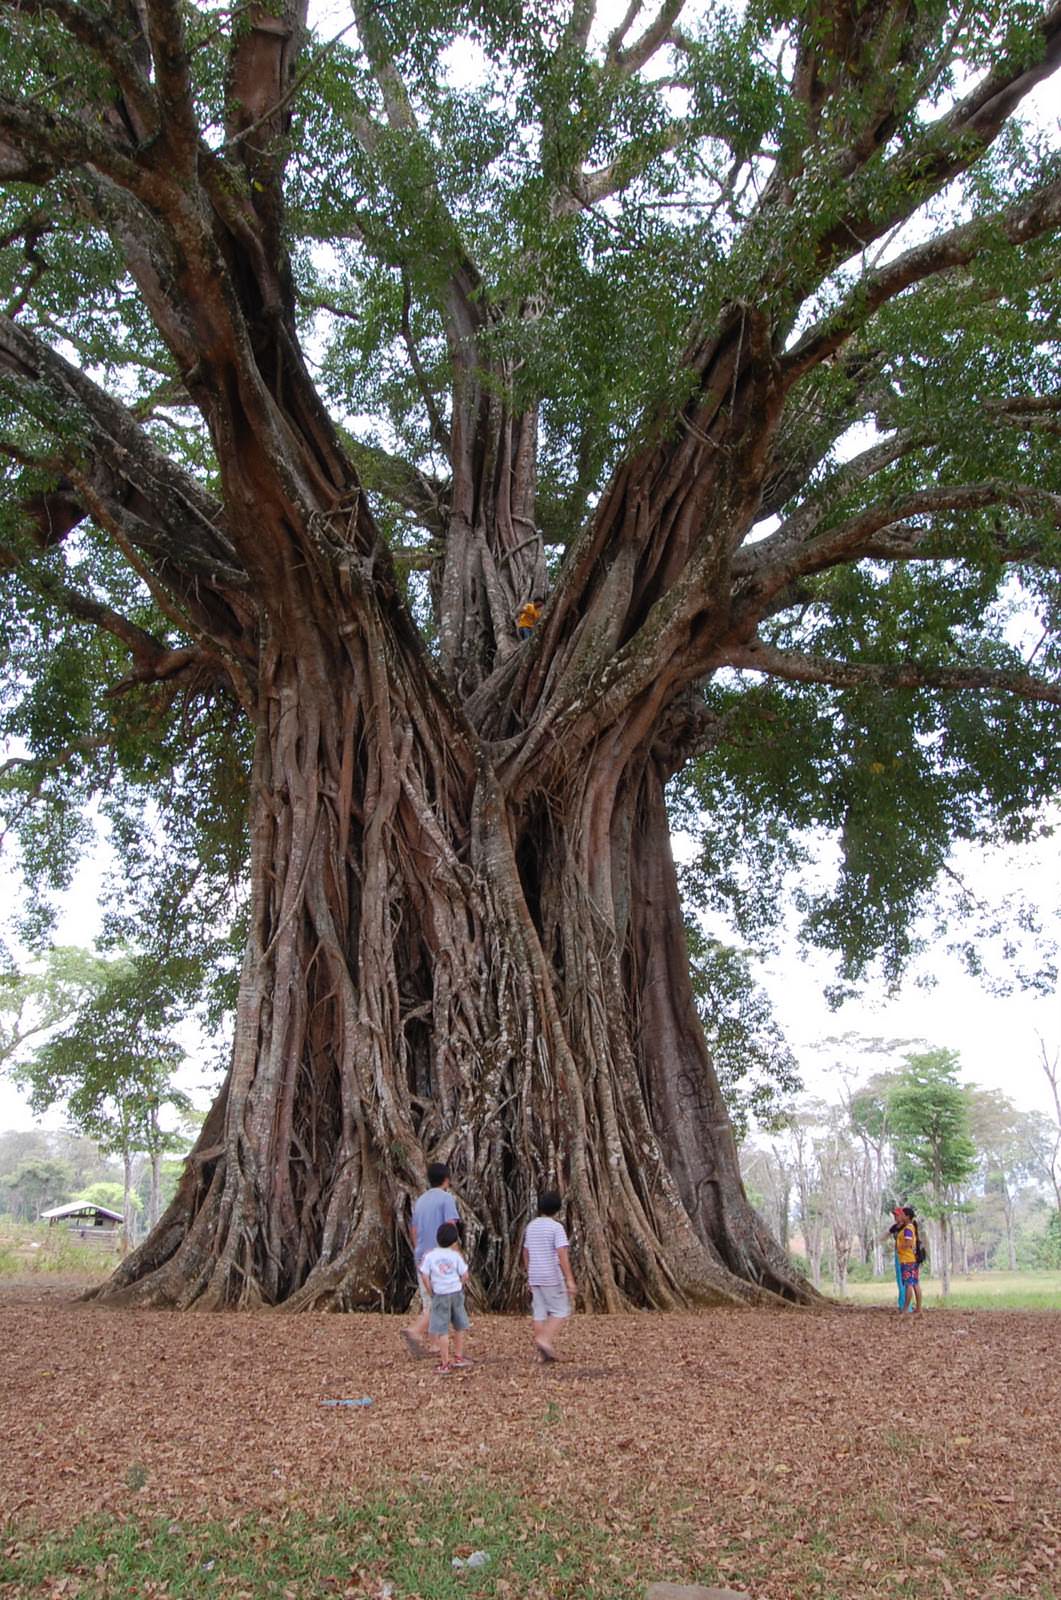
(434, 973)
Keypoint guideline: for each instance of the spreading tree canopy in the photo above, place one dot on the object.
(727, 335)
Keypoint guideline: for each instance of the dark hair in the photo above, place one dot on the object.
(549, 1203)
(909, 1212)
(437, 1173)
(447, 1235)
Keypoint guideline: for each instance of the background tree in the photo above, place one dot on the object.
(79, 1156)
(1006, 1140)
(768, 1178)
(868, 1109)
(842, 1173)
(35, 1185)
(804, 1134)
(158, 1192)
(726, 332)
(1050, 1148)
(112, 1069)
(1049, 1252)
(930, 1117)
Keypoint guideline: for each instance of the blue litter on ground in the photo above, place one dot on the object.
(365, 1400)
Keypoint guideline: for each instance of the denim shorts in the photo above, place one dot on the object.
(447, 1311)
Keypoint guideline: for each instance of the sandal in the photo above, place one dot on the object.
(412, 1344)
(443, 1369)
(544, 1352)
(459, 1366)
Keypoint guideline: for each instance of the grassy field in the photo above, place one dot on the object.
(980, 1291)
(35, 1247)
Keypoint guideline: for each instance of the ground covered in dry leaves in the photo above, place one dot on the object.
(839, 1453)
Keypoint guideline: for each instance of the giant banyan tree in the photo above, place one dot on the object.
(725, 334)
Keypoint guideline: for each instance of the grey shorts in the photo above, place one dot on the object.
(447, 1311)
(549, 1300)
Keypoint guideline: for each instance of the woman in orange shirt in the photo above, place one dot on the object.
(906, 1243)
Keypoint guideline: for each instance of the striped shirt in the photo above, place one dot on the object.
(543, 1239)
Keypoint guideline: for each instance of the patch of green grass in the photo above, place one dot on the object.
(403, 1547)
(981, 1291)
(30, 1248)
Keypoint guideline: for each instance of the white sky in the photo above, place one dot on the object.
(996, 1036)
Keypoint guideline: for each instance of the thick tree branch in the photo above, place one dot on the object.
(115, 51)
(635, 56)
(1036, 214)
(169, 54)
(396, 480)
(619, 33)
(689, 728)
(815, 417)
(142, 646)
(396, 102)
(262, 67)
(1041, 413)
(914, 542)
(796, 550)
(587, 189)
(849, 476)
(36, 143)
(948, 147)
(190, 520)
(208, 332)
(580, 22)
(797, 668)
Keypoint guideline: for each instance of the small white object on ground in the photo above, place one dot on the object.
(478, 1558)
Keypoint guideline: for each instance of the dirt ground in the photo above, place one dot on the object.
(925, 1447)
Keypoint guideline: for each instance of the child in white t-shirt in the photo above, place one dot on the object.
(443, 1272)
(552, 1285)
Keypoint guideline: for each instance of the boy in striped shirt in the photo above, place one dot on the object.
(552, 1285)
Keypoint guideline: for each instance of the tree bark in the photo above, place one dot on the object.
(128, 1227)
(945, 1246)
(154, 1208)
